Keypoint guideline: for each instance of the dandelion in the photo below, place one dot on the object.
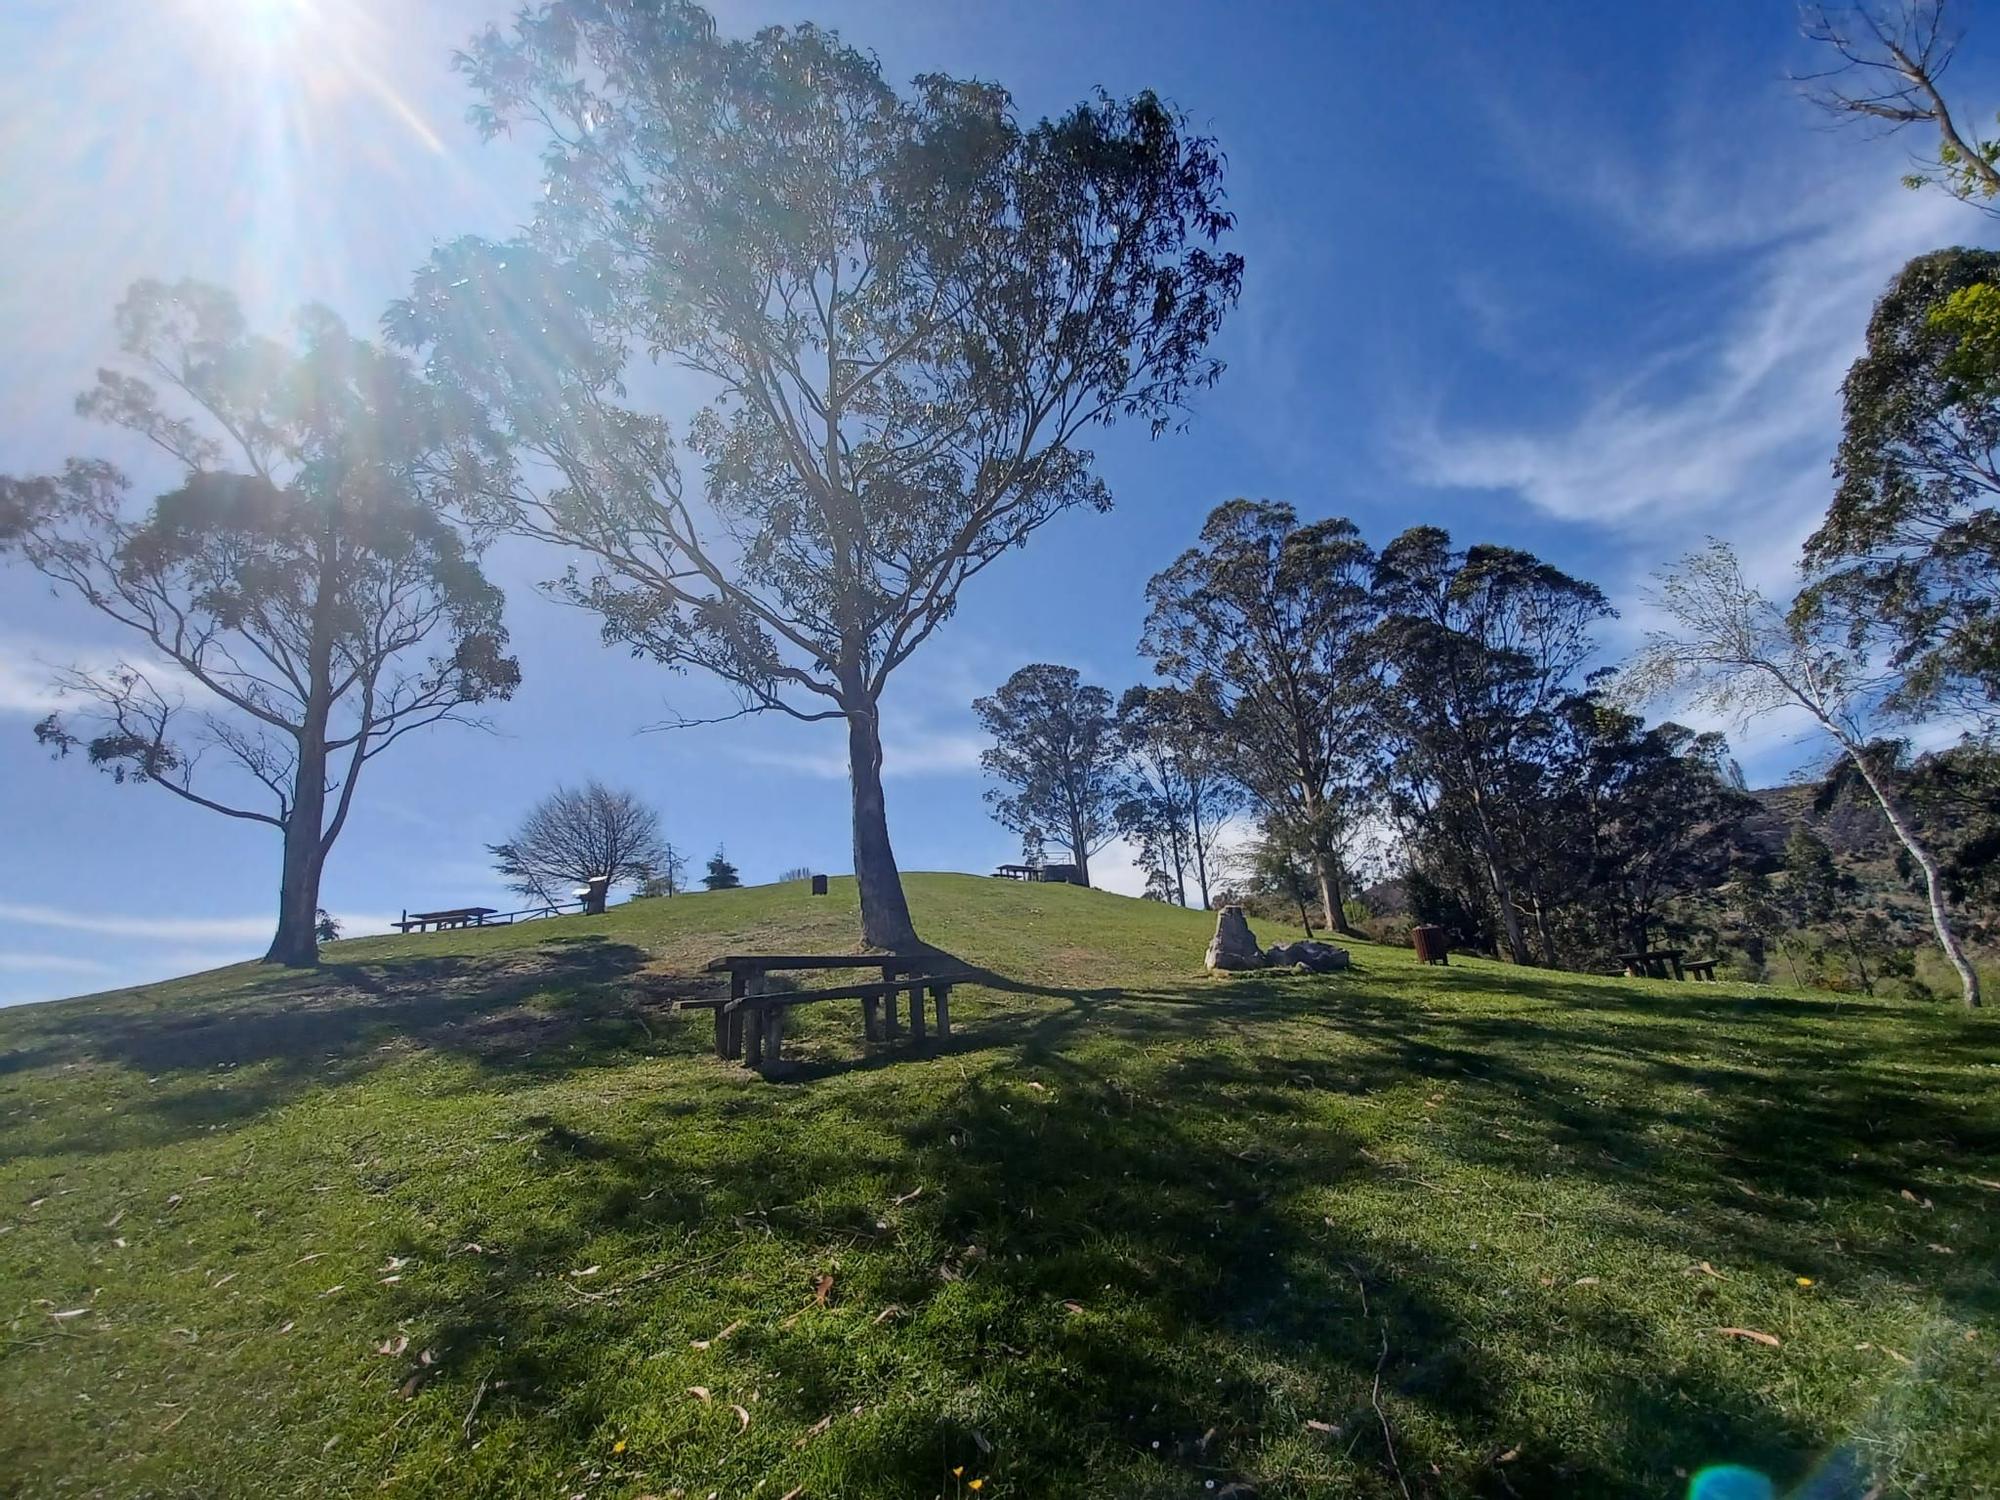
(975, 1484)
(619, 1446)
(1805, 1281)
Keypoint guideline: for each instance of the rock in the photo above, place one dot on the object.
(1234, 945)
(1309, 956)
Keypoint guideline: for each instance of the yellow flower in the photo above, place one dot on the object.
(619, 1446)
(959, 1472)
(975, 1484)
(1805, 1281)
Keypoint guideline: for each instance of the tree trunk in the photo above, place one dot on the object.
(1200, 859)
(296, 944)
(1968, 977)
(1510, 918)
(885, 914)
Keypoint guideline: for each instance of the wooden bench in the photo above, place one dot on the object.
(1702, 969)
(760, 1043)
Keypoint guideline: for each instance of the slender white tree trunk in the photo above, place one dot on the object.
(1968, 977)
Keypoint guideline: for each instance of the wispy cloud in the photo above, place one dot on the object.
(28, 668)
(122, 925)
(50, 963)
(909, 752)
(1734, 425)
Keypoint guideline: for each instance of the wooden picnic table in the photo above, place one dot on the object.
(1653, 963)
(761, 1044)
(455, 916)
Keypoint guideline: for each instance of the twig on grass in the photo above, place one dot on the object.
(473, 1411)
(1375, 1400)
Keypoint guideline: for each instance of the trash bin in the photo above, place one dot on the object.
(819, 885)
(1430, 945)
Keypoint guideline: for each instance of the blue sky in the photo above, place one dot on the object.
(1582, 280)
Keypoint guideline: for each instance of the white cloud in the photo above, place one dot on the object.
(908, 752)
(28, 667)
(50, 963)
(120, 925)
(1735, 427)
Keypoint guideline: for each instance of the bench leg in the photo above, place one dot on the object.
(942, 995)
(916, 1013)
(890, 1025)
(871, 1019)
(753, 1038)
(721, 1032)
(774, 1036)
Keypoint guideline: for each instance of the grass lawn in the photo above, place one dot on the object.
(478, 1214)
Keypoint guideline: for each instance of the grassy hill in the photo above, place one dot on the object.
(478, 1214)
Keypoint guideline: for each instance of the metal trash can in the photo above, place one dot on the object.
(1430, 945)
(819, 885)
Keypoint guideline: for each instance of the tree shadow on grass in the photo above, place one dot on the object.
(572, 1003)
(1133, 1299)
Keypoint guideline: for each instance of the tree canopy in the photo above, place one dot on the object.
(910, 311)
(1056, 757)
(299, 601)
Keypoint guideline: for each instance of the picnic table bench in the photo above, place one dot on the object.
(1701, 968)
(760, 1044)
(1653, 963)
(456, 916)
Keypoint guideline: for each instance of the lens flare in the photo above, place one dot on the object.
(1731, 1482)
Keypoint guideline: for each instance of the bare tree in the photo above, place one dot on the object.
(575, 835)
(301, 601)
(912, 312)
(1889, 66)
(1737, 653)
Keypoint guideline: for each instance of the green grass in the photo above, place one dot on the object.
(1133, 1232)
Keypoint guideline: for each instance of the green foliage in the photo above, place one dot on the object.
(1908, 558)
(304, 572)
(721, 874)
(1474, 1199)
(1056, 757)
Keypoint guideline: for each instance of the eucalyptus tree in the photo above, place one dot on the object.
(298, 600)
(1734, 651)
(1479, 648)
(1183, 794)
(909, 313)
(1270, 619)
(1056, 761)
(1908, 557)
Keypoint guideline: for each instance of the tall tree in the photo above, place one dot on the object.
(1480, 648)
(577, 834)
(1885, 66)
(1908, 557)
(1183, 795)
(1055, 755)
(300, 600)
(911, 312)
(1736, 652)
(1269, 618)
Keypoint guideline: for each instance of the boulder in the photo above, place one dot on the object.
(1234, 945)
(1309, 956)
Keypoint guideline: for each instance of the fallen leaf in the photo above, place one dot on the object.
(886, 1314)
(1913, 1198)
(338, 1286)
(587, 1271)
(288, 1328)
(1901, 1359)
(813, 1431)
(1509, 1456)
(112, 1222)
(1938, 1249)
(395, 1262)
(1042, 1086)
(1987, 1182)
(223, 1280)
(393, 1347)
(1743, 1187)
(742, 1418)
(1585, 1281)
(910, 1197)
(73, 1312)
(1073, 1307)
(705, 1343)
(822, 1289)
(699, 1392)
(793, 1494)
(469, 1248)
(1750, 1333)
(1313, 1424)
(172, 1199)
(390, 1280)
(1708, 1270)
